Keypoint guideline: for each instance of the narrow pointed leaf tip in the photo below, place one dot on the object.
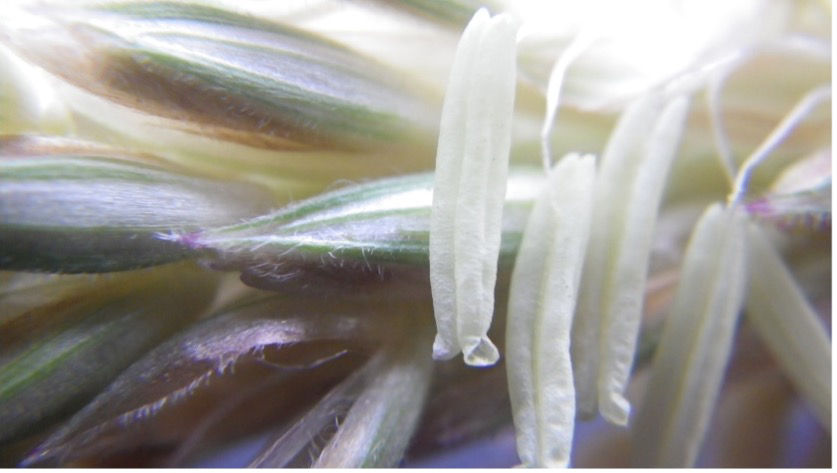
(469, 188)
(542, 299)
(694, 349)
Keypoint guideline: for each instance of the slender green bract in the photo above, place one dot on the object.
(363, 229)
(70, 212)
(93, 338)
(216, 72)
(378, 427)
(204, 351)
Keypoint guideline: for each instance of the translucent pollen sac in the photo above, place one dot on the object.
(789, 326)
(694, 348)
(629, 189)
(542, 300)
(469, 188)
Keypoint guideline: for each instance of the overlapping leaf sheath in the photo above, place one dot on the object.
(376, 408)
(56, 353)
(379, 425)
(217, 89)
(70, 207)
(167, 376)
(368, 229)
(310, 97)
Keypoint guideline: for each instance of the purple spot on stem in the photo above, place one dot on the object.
(191, 240)
(760, 207)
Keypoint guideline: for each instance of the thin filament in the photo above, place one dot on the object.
(577, 47)
(779, 134)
